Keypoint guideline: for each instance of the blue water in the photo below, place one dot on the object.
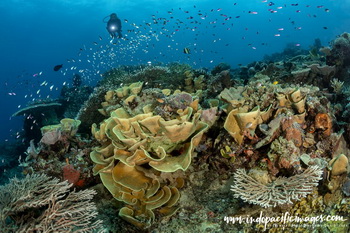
(36, 35)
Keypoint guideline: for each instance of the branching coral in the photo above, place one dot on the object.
(337, 86)
(280, 191)
(38, 203)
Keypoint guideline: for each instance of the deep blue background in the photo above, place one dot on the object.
(36, 35)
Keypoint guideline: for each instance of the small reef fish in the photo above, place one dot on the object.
(248, 125)
(275, 83)
(37, 74)
(187, 51)
(58, 67)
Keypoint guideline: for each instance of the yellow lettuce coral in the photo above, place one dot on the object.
(244, 113)
(126, 93)
(67, 125)
(239, 123)
(134, 152)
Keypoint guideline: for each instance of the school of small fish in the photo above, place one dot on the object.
(163, 37)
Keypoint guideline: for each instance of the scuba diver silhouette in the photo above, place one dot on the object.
(114, 26)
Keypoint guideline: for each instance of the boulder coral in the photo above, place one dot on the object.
(136, 150)
(338, 165)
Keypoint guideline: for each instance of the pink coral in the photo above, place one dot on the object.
(51, 137)
(209, 116)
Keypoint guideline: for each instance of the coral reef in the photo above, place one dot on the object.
(166, 143)
(61, 153)
(155, 79)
